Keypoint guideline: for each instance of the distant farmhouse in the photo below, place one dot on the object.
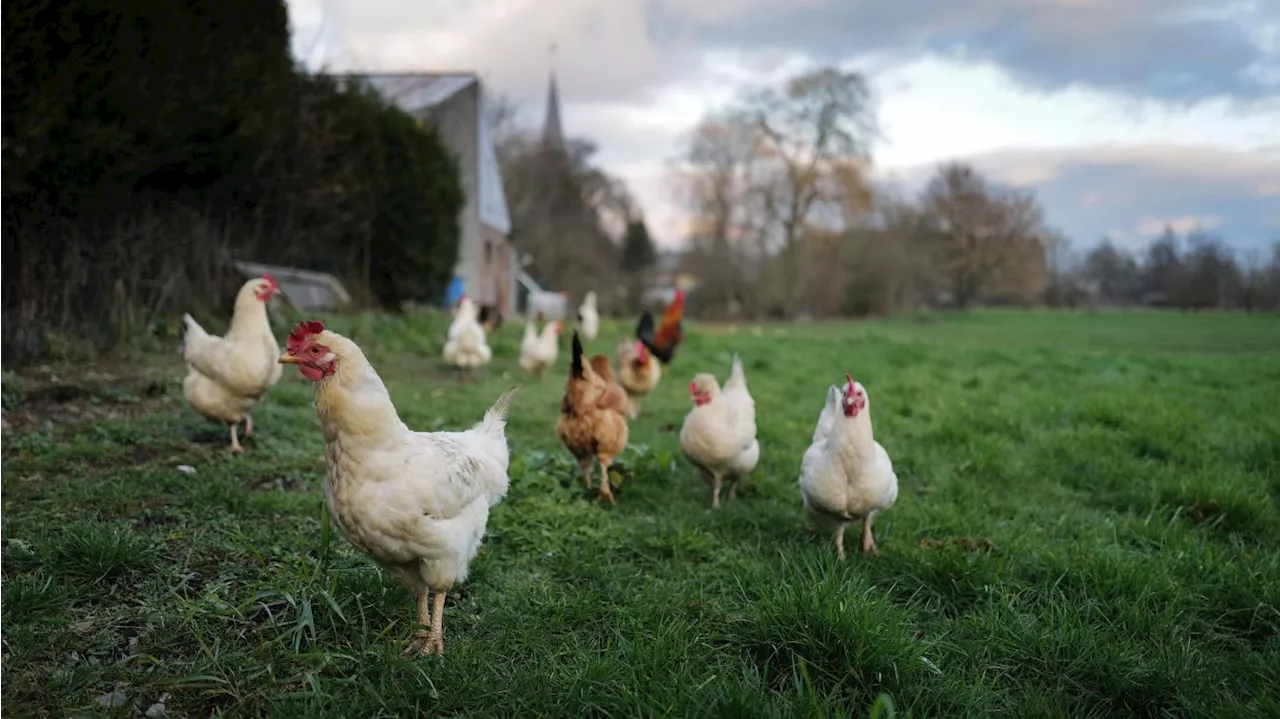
(456, 105)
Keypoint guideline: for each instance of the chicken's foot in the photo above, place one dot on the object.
(429, 638)
(606, 490)
(235, 440)
(868, 542)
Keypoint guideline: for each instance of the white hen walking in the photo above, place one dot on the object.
(589, 316)
(846, 475)
(719, 433)
(417, 502)
(465, 347)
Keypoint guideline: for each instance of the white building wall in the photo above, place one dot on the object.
(455, 120)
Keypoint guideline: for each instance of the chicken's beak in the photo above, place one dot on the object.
(287, 358)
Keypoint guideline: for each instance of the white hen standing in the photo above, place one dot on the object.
(227, 376)
(588, 316)
(538, 351)
(465, 348)
(845, 474)
(417, 502)
(719, 433)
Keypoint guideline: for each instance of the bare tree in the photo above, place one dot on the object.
(1212, 278)
(1112, 273)
(1164, 272)
(985, 241)
(811, 130)
(715, 185)
(1064, 288)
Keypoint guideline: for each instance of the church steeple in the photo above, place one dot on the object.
(552, 130)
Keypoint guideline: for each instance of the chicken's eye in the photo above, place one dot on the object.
(315, 350)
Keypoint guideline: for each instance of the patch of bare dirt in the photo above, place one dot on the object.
(272, 481)
(49, 396)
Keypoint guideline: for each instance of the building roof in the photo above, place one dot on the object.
(414, 92)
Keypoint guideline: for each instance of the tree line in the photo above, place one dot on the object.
(145, 146)
(1191, 271)
(786, 221)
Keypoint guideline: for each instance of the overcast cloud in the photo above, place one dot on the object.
(1123, 115)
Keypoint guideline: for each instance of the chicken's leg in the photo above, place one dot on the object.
(733, 489)
(606, 491)
(840, 542)
(421, 641)
(585, 463)
(235, 440)
(868, 541)
(435, 642)
(248, 426)
(715, 491)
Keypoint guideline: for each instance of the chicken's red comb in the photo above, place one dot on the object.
(271, 280)
(304, 331)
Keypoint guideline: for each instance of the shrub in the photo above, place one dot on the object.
(144, 146)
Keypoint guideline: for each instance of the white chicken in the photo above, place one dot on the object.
(465, 348)
(227, 376)
(589, 316)
(416, 502)
(719, 433)
(538, 351)
(846, 475)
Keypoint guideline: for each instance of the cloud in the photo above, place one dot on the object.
(602, 52)
(1133, 191)
(1119, 127)
(1178, 51)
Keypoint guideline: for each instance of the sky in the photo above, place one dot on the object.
(1124, 116)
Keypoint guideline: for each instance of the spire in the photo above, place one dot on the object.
(552, 130)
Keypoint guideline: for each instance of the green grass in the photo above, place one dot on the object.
(1125, 469)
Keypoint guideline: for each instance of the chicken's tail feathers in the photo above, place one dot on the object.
(575, 367)
(644, 328)
(190, 329)
(470, 341)
(737, 376)
(495, 418)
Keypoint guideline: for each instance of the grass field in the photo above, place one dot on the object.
(1125, 468)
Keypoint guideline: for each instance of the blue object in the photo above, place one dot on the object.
(454, 292)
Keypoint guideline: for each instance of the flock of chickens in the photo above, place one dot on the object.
(418, 502)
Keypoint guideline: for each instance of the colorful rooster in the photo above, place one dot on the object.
(663, 342)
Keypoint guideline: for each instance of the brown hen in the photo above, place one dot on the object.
(593, 423)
